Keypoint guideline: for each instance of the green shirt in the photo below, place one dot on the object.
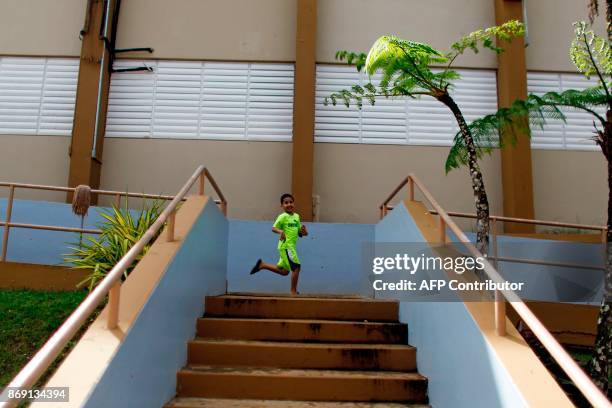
(290, 224)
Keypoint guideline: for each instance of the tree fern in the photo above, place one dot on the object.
(405, 67)
(589, 52)
(521, 117)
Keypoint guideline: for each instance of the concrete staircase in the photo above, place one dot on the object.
(259, 351)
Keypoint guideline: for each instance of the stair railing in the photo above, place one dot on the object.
(494, 221)
(582, 381)
(110, 285)
(12, 187)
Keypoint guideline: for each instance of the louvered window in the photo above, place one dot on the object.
(423, 121)
(37, 95)
(578, 130)
(207, 100)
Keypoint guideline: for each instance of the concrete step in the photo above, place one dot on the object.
(302, 385)
(280, 307)
(325, 331)
(224, 403)
(391, 357)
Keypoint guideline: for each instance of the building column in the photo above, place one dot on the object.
(517, 178)
(304, 107)
(89, 123)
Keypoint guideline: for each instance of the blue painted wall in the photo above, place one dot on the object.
(552, 283)
(463, 370)
(143, 371)
(330, 257)
(39, 246)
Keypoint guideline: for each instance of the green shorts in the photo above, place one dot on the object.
(288, 260)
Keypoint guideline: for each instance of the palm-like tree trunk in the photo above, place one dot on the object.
(480, 194)
(599, 366)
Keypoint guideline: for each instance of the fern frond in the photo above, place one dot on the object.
(512, 121)
(388, 50)
(352, 58)
(520, 118)
(590, 53)
(505, 32)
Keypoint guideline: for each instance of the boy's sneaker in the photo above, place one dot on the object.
(257, 266)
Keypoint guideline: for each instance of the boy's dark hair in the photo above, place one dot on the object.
(285, 196)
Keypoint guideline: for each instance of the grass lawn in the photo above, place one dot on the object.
(28, 319)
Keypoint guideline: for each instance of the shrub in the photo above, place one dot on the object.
(120, 231)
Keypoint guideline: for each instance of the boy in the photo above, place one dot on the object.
(289, 227)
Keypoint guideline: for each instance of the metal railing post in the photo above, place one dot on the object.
(565, 361)
(202, 180)
(170, 226)
(500, 313)
(113, 305)
(493, 222)
(7, 220)
(500, 302)
(442, 230)
(604, 244)
(109, 286)
(410, 188)
(118, 201)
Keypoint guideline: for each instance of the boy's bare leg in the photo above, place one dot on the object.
(295, 274)
(273, 268)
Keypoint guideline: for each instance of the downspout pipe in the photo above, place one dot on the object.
(525, 23)
(104, 37)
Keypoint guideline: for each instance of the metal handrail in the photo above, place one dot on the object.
(385, 207)
(565, 361)
(49, 228)
(117, 194)
(529, 221)
(72, 189)
(111, 285)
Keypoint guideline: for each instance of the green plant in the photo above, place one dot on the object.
(406, 71)
(592, 56)
(29, 318)
(120, 231)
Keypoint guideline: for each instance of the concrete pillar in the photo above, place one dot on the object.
(517, 176)
(92, 95)
(304, 107)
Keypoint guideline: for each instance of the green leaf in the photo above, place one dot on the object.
(120, 231)
(387, 49)
(590, 53)
(505, 32)
(406, 65)
(520, 117)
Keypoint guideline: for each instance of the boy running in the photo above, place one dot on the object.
(289, 227)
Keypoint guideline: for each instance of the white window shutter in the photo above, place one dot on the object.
(338, 123)
(270, 102)
(206, 100)
(423, 121)
(577, 132)
(385, 121)
(58, 97)
(224, 101)
(21, 87)
(37, 95)
(177, 99)
(130, 100)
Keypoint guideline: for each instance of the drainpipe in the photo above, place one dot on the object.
(104, 37)
(525, 23)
